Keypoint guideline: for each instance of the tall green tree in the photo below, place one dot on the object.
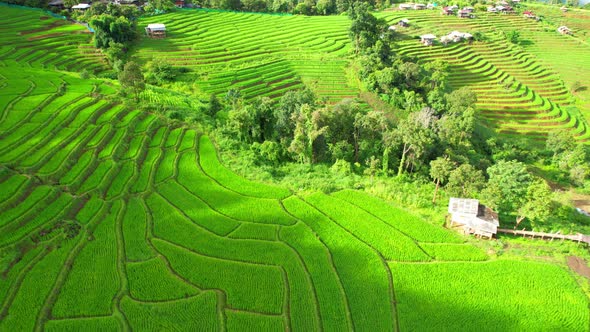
(465, 181)
(507, 185)
(559, 141)
(365, 28)
(289, 104)
(414, 134)
(307, 129)
(109, 29)
(372, 167)
(537, 203)
(131, 79)
(440, 169)
(241, 121)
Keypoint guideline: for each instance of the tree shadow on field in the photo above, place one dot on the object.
(430, 301)
(168, 43)
(419, 311)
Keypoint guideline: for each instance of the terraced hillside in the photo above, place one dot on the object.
(34, 39)
(259, 54)
(568, 55)
(115, 219)
(518, 91)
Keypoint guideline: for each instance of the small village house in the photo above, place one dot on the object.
(469, 9)
(404, 23)
(455, 37)
(564, 30)
(427, 39)
(156, 30)
(81, 6)
(492, 9)
(59, 4)
(419, 6)
(465, 14)
(404, 6)
(430, 6)
(179, 3)
(447, 11)
(472, 217)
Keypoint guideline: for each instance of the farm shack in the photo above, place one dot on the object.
(528, 14)
(492, 9)
(447, 11)
(392, 28)
(404, 23)
(427, 39)
(472, 217)
(564, 30)
(469, 9)
(156, 30)
(81, 6)
(419, 6)
(430, 6)
(59, 4)
(405, 6)
(465, 14)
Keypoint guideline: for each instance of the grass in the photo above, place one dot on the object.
(428, 291)
(151, 281)
(115, 218)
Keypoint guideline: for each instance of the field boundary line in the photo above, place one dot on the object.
(391, 294)
(332, 265)
(388, 224)
(309, 279)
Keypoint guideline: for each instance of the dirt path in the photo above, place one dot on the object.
(579, 266)
(581, 201)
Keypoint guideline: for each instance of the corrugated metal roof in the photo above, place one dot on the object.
(463, 205)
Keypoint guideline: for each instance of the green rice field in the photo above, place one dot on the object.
(115, 219)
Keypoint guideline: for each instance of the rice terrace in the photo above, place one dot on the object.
(292, 166)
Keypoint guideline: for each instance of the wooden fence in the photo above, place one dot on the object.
(573, 237)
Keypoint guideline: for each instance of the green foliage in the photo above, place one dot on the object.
(159, 6)
(307, 129)
(538, 204)
(211, 165)
(110, 29)
(132, 79)
(440, 169)
(513, 36)
(507, 186)
(465, 181)
(158, 71)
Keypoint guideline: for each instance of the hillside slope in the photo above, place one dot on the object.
(259, 54)
(118, 219)
(520, 93)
